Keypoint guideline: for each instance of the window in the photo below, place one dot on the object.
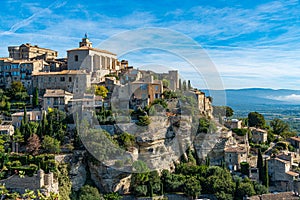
(70, 79)
(62, 78)
(156, 87)
(143, 87)
(229, 160)
(76, 58)
(229, 155)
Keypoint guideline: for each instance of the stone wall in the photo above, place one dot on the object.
(38, 181)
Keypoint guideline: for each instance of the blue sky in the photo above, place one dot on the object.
(251, 43)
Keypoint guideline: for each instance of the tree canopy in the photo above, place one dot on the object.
(256, 119)
(279, 126)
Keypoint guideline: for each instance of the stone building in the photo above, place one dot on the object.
(7, 129)
(85, 57)
(20, 70)
(34, 115)
(204, 103)
(259, 135)
(235, 155)
(73, 81)
(31, 52)
(295, 141)
(137, 93)
(41, 181)
(233, 123)
(85, 102)
(172, 76)
(56, 98)
(280, 172)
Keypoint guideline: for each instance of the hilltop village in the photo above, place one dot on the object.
(91, 126)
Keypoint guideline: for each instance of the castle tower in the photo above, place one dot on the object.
(85, 42)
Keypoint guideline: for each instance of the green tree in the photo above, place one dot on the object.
(112, 196)
(259, 188)
(189, 85)
(126, 140)
(180, 85)
(184, 87)
(192, 187)
(279, 126)
(88, 192)
(245, 168)
(243, 189)
(166, 83)
(18, 138)
(143, 120)
(260, 164)
(101, 91)
(265, 179)
(64, 182)
(35, 100)
(206, 126)
(256, 119)
(155, 182)
(33, 144)
(17, 91)
(51, 145)
(139, 179)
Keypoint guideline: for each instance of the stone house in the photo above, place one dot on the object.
(275, 196)
(129, 75)
(20, 70)
(280, 172)
(73, 81)
(233, 123)
(204, 103)
(85, 102)
(137, 93)
(41, 181)
(295, 141)
(259, 135)
(233, 156)
(56, 98)
(7, 129)
(31, 52)
(35, 115)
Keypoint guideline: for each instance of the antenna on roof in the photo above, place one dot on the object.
(85, 36)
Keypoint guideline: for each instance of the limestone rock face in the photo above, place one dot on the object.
(77, 172)
(212, 145)
(109, 179)
(163, 143)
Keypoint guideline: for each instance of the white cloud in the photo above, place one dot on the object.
(293, 98)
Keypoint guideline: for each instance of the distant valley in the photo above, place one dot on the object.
(272, 103)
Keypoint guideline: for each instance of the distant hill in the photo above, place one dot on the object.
(255, 98)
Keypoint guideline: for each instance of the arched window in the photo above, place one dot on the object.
(76, 58)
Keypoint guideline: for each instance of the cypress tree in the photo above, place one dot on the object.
(44, 124)
(207, 161)
(51, 128)
(35, 101)
(162, 189)
(179, 86)
(260, 164)
(184, 86)
(25, 120)
(265, 180)
(189, 85)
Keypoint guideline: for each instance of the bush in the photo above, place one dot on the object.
(239, 132)
(88, 192)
